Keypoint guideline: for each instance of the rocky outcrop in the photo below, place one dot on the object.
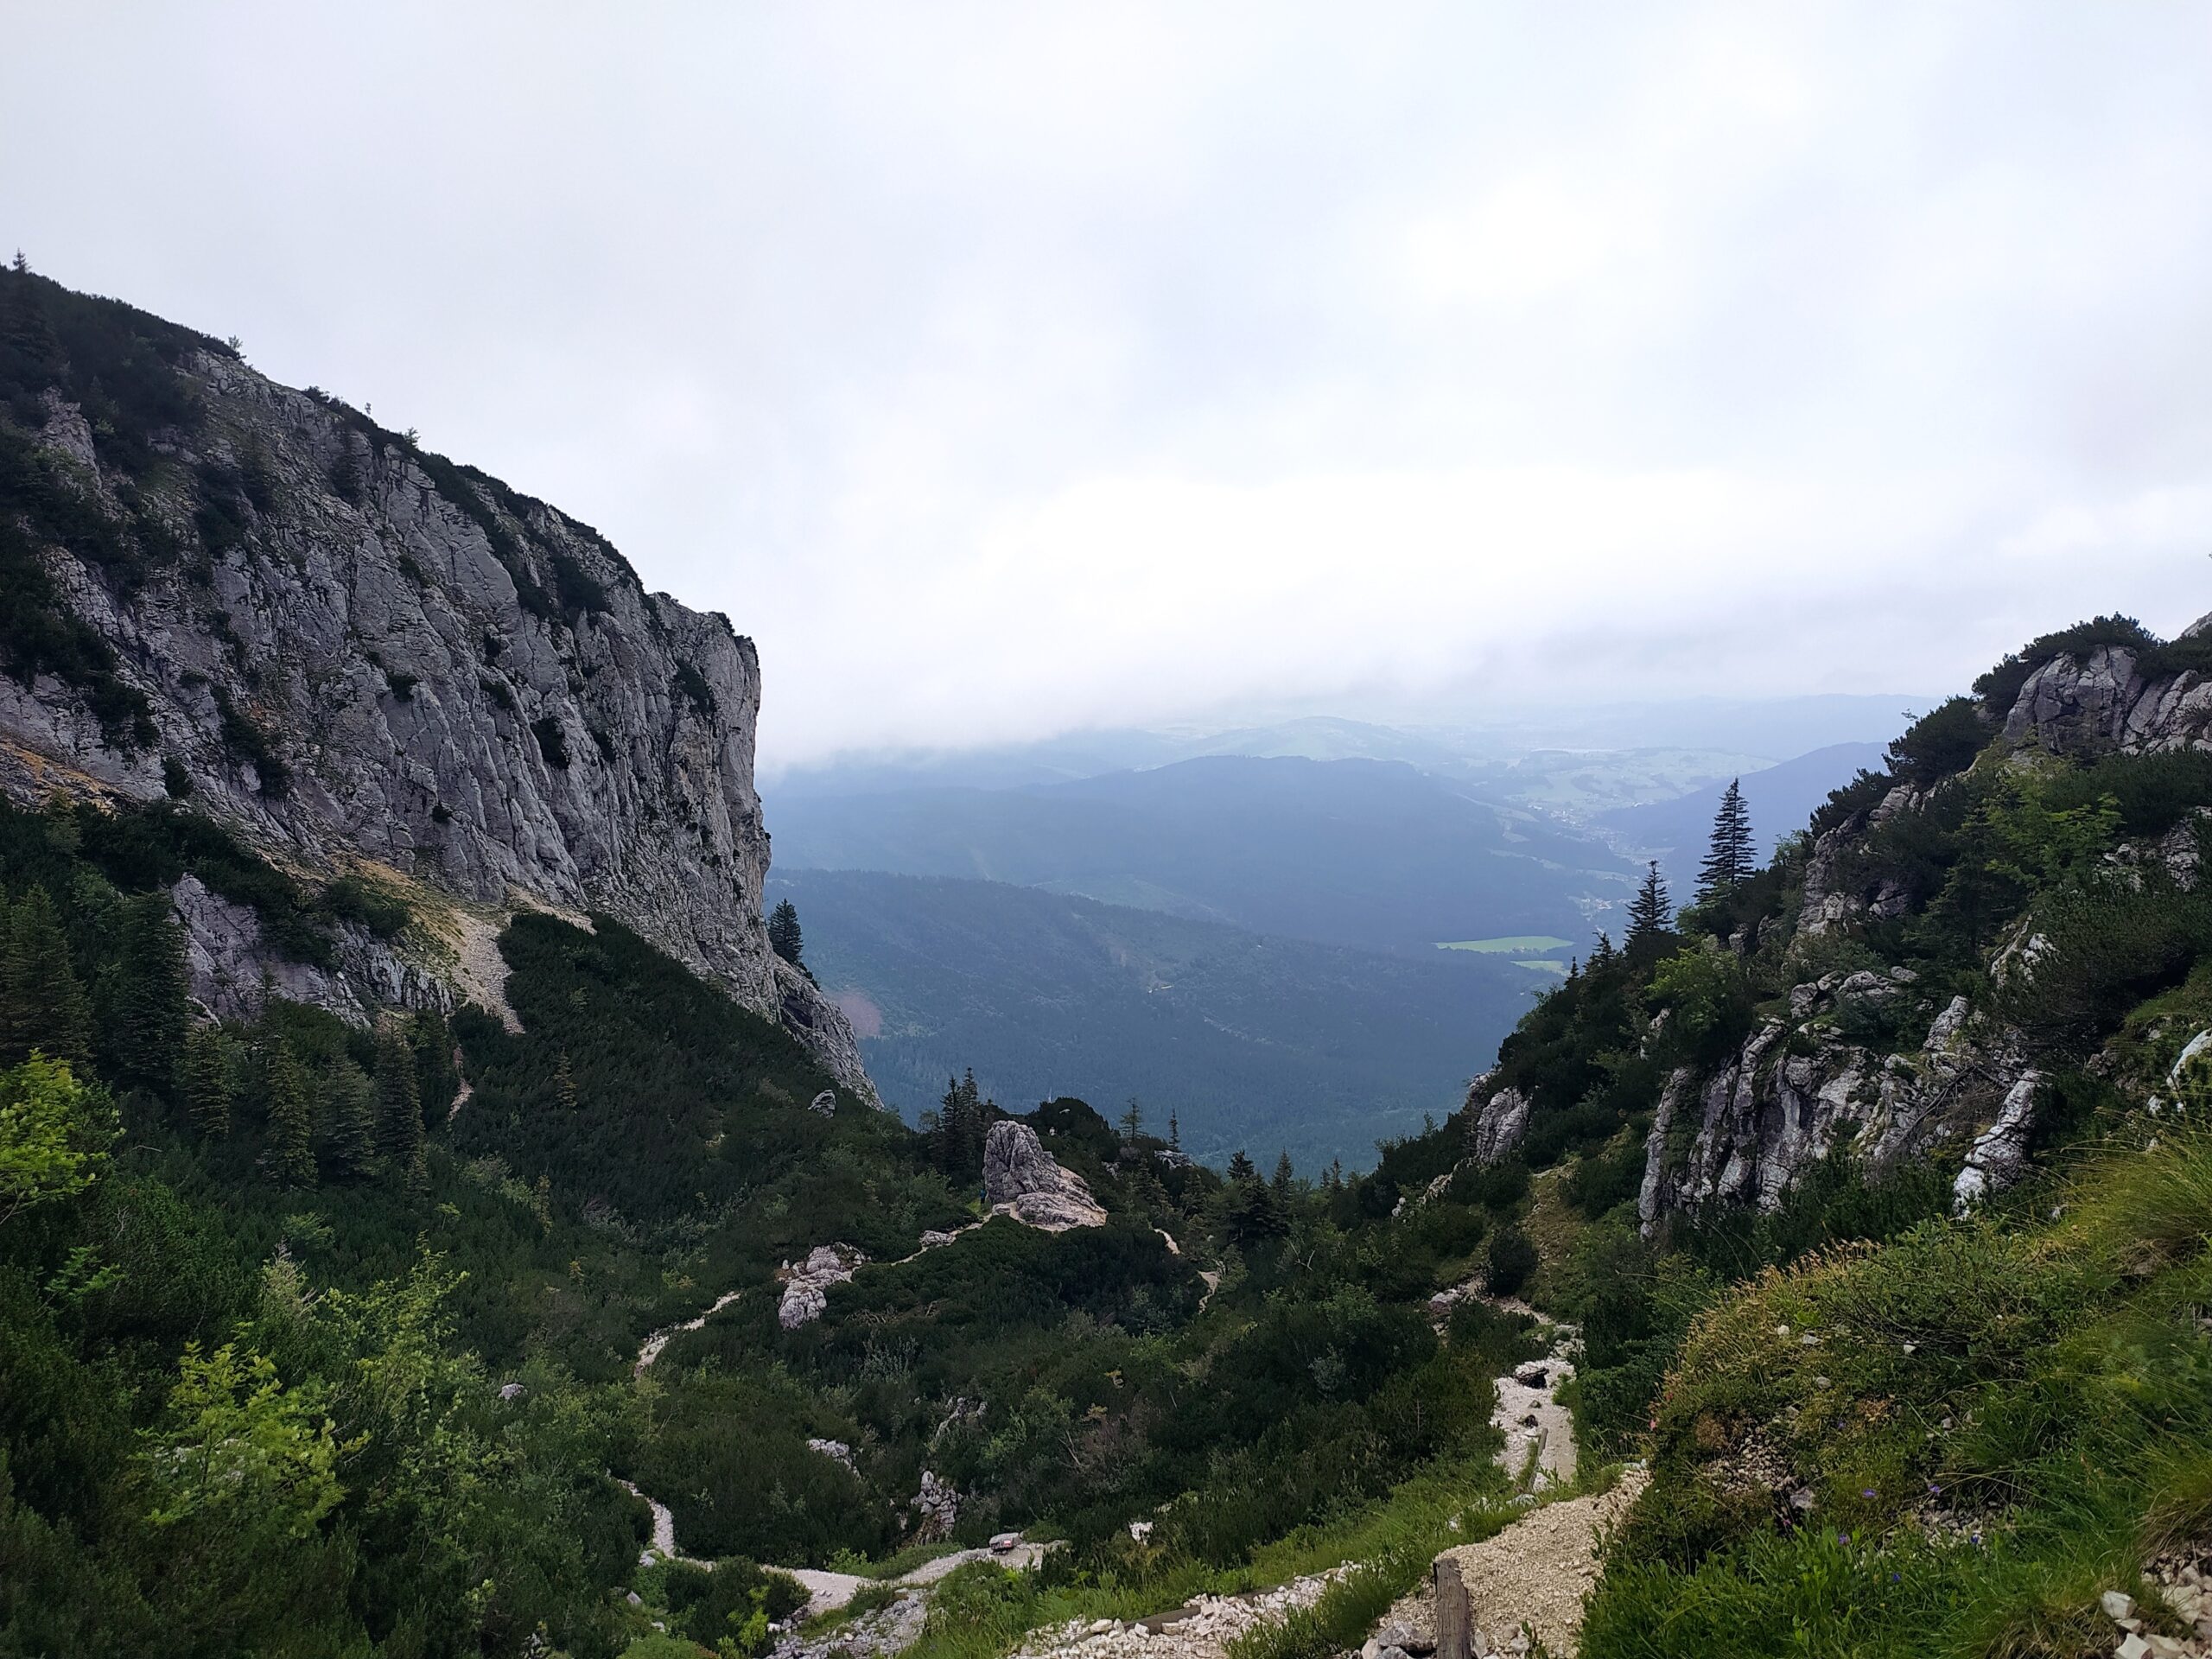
(1021, 1179)
(1499, 1123)
(233, 969)
(2000, 1153)
(2100, 700)
(835, 1451)
(359, 655)
(934, 1510)
(1793, 1092)
(806, 1286)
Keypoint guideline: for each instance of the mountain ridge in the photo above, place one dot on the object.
(262, 607)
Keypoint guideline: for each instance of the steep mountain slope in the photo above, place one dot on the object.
(1369, 854)
(1266, 1044)
(367, 660)
(1927, 975)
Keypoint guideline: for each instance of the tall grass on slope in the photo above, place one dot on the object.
(1994, 1427)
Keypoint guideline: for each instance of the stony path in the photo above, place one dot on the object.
(1199, 1630)
(1535, 1574)
(1537, 1426)
(650, 1349)
(662, 1546)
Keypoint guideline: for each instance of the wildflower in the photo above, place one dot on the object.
(1867, 1491)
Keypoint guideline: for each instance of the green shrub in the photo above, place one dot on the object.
(1511, 1260)
(2000, 687)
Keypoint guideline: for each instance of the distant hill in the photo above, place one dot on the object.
(1268, 1044)
(1781, 799)
(1371, 854)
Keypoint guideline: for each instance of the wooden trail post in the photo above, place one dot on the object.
(1452, 1622)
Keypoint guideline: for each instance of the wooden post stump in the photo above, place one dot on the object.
(1452, 1620)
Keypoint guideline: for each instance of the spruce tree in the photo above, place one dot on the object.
(436, 1077)
(148, 1011)
(42, 1002)
(399, 1108)
(1728, 859)
(1284, 1174)
(783, 936)
(1649, 912)
(206, 1080)
(964, 1122)
(349, 1106)
(1132, 1123)
(290, 1158)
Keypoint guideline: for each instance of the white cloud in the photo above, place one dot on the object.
(1002, 367)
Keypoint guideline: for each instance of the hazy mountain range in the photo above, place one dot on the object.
(1247, 936)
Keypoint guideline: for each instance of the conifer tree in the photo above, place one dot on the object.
(148, 1013)
(1284, 1174)
(783, 936)
(1132, 1123)
(1649, 912)
(962, 1123)
(1174, 1131)
(1240, 1167)
(206, 1080)
(1728, 859)
(349, 1105)
(436, 1077)
(564, 1085)
(290, 1158)
(399, 1108)
(42, 1002)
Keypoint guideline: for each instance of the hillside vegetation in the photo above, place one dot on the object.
(1277, 1044)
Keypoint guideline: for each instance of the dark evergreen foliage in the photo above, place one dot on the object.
(1649, 916)
(1729, 857)
(399, 1108)
(784, 937)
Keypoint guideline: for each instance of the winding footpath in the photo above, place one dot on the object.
(650, 1349)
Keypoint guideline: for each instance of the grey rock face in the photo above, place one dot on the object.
(806, 1288)
(934, 1509)
(400, 665)
(2000, 1153)
(2098, 701)
(1021, 1179)
(835, 1451)
(232, 970)
(1499, 1125)
(1774, 1110)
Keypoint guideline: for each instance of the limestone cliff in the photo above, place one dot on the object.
(365, 659)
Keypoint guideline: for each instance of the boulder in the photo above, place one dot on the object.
(806, 1286)
(1021, 1179)
(1500, 1123)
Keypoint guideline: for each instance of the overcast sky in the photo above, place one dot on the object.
(1003, 369)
